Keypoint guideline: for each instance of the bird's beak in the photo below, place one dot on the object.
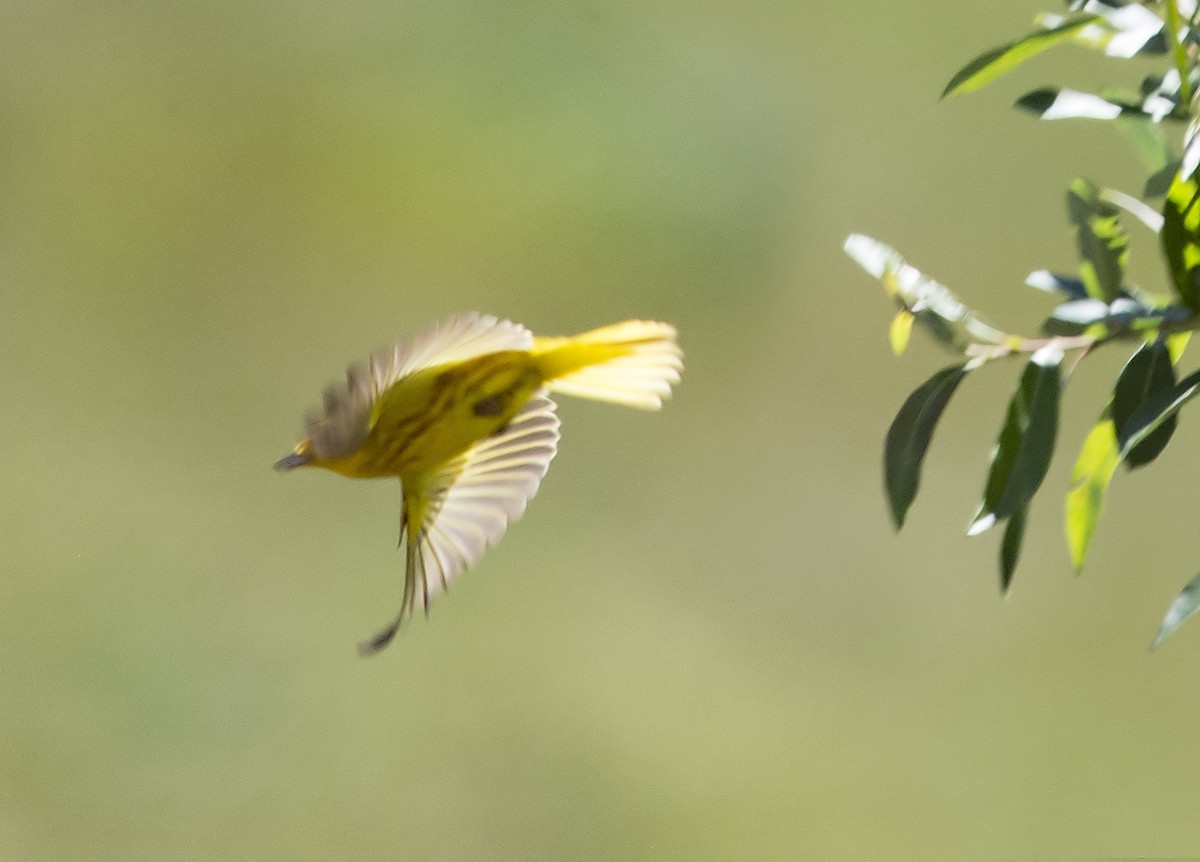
(296, 459)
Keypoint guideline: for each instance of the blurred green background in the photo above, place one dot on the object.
(703, 641)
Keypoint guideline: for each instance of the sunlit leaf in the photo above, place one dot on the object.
(1103, 243)
(1090, 478)
(1157, 410)
(1074, 317)
(1135, 30)
(1125, 30)
(932, 305)
(1184, 605)
(1176, 344)
(1181, 238)
(1010, 546)
(1190, 161)
(1044, 279)
(1156, 102)
(1139, 209)
(1125, 314)
(900, 331)
(1148, 373)
(993, 64)
(1161, 96)
(1051, 103)
(908, 438)
(1026, 443)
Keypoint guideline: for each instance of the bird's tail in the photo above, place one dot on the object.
(634, 363)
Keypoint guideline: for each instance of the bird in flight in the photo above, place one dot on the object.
(461, 414)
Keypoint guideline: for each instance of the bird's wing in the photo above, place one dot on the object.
(346, 417)
(469, 504)
(452, 340)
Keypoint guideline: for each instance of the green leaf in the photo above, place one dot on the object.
(1148, 373)
(1156, 103)
(1000, 61)
(908, 438)
(1176, 344)
(1010, 546)
(1184, 606)
(1103, 243)
(1161, 97)
(1132, 313)
(1043, 279)
(1093, 471)
(1136, 30)
(1155, 411)
(1159, 183)
(1026, 444)
(1076, 316)
(1053, 103)
(1135, 207)
(932, 305)
(1181, 237)
(900, 331)
(1190, 160)
(1127, 30)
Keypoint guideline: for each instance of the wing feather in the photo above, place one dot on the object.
(489, 488)
(345, 420)
(471, 503)
(452, 340)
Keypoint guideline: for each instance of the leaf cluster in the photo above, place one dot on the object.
(1098, 305)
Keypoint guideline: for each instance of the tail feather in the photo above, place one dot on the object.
(634, 363)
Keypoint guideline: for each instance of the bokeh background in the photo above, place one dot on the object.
(703, 641)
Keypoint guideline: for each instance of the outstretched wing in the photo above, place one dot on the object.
(347, 413)
(452, 340)
(469, 504)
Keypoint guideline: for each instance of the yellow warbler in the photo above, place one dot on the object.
(462, 416)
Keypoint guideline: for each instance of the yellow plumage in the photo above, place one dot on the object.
(461, 416)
